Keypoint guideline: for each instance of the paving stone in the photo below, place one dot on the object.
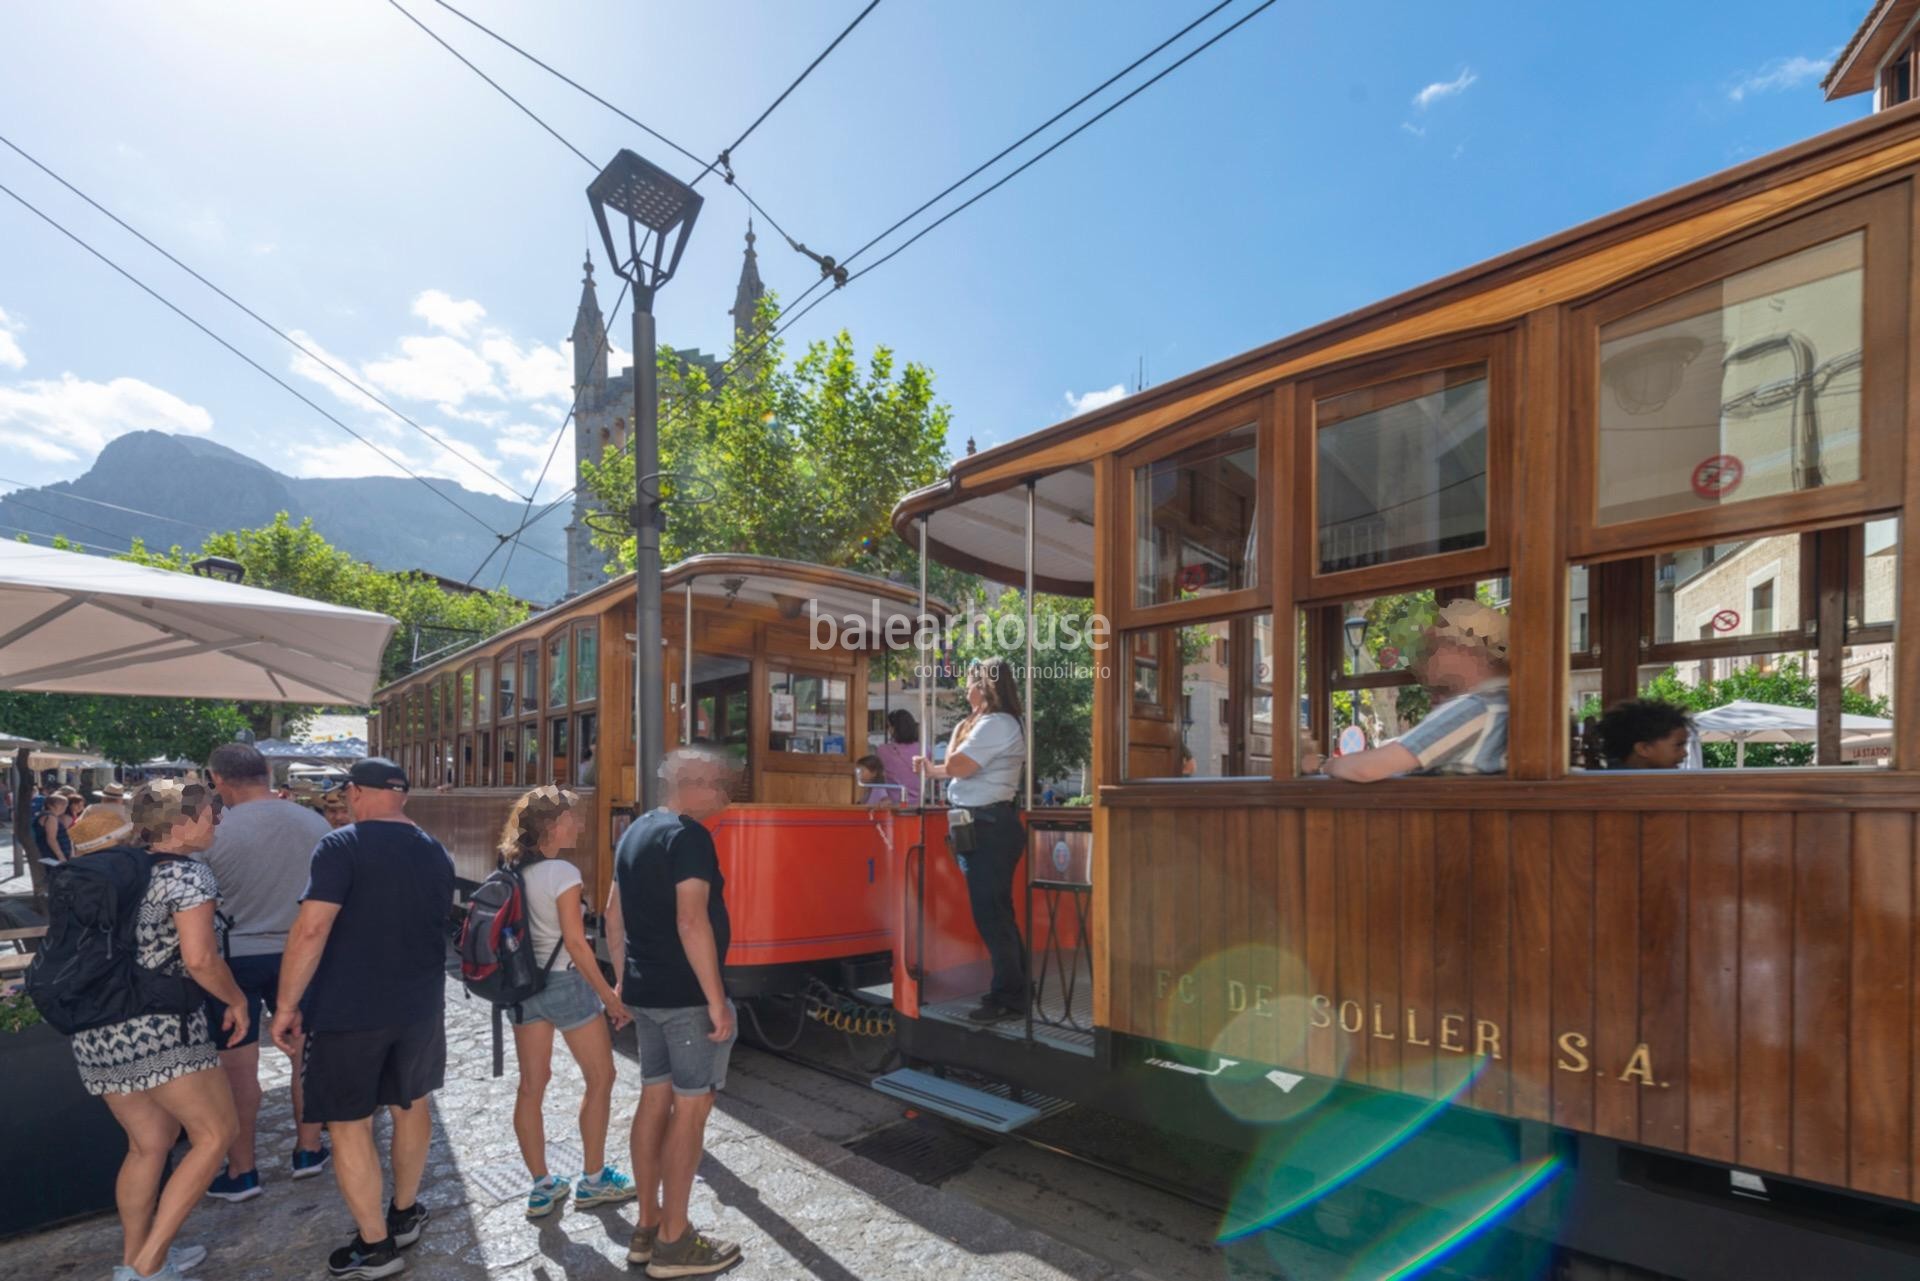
(776, 1178)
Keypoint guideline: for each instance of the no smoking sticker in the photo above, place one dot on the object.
(1726, 620)
(1718, 476)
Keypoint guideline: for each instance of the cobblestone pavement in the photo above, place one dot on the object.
(776, 1178)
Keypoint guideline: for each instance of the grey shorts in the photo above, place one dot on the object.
(567, 1001)
(674, 1047)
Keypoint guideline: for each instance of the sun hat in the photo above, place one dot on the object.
(1468, 622)
(99, 830)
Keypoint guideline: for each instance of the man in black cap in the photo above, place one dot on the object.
(367, 956)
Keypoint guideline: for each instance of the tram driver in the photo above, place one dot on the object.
(1465, 666)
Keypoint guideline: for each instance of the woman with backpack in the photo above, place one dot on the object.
(160, 1072)
(576, 1001)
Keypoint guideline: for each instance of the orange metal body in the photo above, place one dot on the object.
(808, 884)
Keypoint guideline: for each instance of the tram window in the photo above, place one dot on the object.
(508, 672)
(807, 714)
(1195, 519)
(720, 705)
(1224, 670)
(467, 776)
(559, 757)
(1744, 389)
(557, 672)
(530, 755)
(586, 665)
(481, 774)
(529, 680)
(587, 741)
(1144, 649)
(1380, 684)
(1402, 469)
(433, 707)
(509, 776)
(1735, 635)
(483, 694)
(466, 699)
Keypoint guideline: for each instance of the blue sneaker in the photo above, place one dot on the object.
(307, 1164)
(185, 1258)
(609, 1187)
(547, 1196)
(235, 1187)
(121, 1272)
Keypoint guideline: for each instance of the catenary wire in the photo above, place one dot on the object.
(266, 324)
(282, 383)
(501, 90)
(24, 505)
(97, 502)
(73, 542)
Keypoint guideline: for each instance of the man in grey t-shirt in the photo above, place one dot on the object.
(260, 856)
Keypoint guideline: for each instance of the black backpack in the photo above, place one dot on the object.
(496, 943)
(87, 974)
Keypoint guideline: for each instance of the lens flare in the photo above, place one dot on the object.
(1455, 1223)
(1327, 1143)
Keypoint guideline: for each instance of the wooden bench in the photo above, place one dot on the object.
(17, 961)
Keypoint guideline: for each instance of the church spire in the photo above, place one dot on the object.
(746, 298)
(589, 339)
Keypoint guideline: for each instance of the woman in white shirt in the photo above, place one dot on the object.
(984, 760)
(577, 1001)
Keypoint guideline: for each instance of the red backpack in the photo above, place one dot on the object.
(496, 943)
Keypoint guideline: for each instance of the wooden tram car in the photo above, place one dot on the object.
(808, 868)
(1691, 998)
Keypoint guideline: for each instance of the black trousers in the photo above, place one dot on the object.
(998, 842)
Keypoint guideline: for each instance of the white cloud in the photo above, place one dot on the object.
(72, 419)
(434, 368)
(1414, 129)
(1781, 73)
(334, 455)
(309, 367)
(1444, 89)
(10, 354)
(1087, 402)
(448, 314)
(539, 372)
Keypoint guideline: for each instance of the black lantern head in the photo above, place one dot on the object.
(656, 206)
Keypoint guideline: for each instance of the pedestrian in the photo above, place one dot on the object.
(984, 759)
(897, 753)
(50, 830)
(367, 953)
(112, 798)
(1645, 733)
(870, 775)
(159, 1072)
(333, 808)
(668, 930)
(260, 856)
(576, 1002)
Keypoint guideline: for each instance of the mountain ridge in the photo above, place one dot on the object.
(201, 486)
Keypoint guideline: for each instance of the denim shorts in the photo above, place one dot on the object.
(674, 1047)
(567, 1001)
(258, 978)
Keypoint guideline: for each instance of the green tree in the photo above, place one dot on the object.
(128, 730)
(1064, 660)
(803, 461)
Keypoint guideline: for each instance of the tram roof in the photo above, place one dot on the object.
(785, 586)
(980, 504)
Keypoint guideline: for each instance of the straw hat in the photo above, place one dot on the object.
(99, 830)
(111, 792)
(1468, 622)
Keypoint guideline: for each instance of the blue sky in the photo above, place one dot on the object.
(347, 178)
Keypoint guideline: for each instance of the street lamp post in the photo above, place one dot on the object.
(657, 207)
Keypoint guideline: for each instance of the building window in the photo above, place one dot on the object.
(1760, 614)
(1896, 81)
(1195, 516)
(1401, 469)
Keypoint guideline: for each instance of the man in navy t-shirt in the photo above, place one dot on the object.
(364, 977)
(668, 930)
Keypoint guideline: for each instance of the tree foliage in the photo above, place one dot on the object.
(282, 557)
(803, 461)
(1064, 660)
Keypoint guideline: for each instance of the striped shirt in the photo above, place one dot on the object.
(1464, 735)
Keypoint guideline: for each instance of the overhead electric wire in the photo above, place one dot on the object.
(266, 324)
(68, 520)
(641, 125)
(501, 90)
(760, 119)
(97, 502)
(73, 542)
(282, 383)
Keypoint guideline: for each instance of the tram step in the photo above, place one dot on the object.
(958, 1102)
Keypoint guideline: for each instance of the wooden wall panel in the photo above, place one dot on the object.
(1880, 1069)
(1821, 897)
(1713, 985)
(1737, 987)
